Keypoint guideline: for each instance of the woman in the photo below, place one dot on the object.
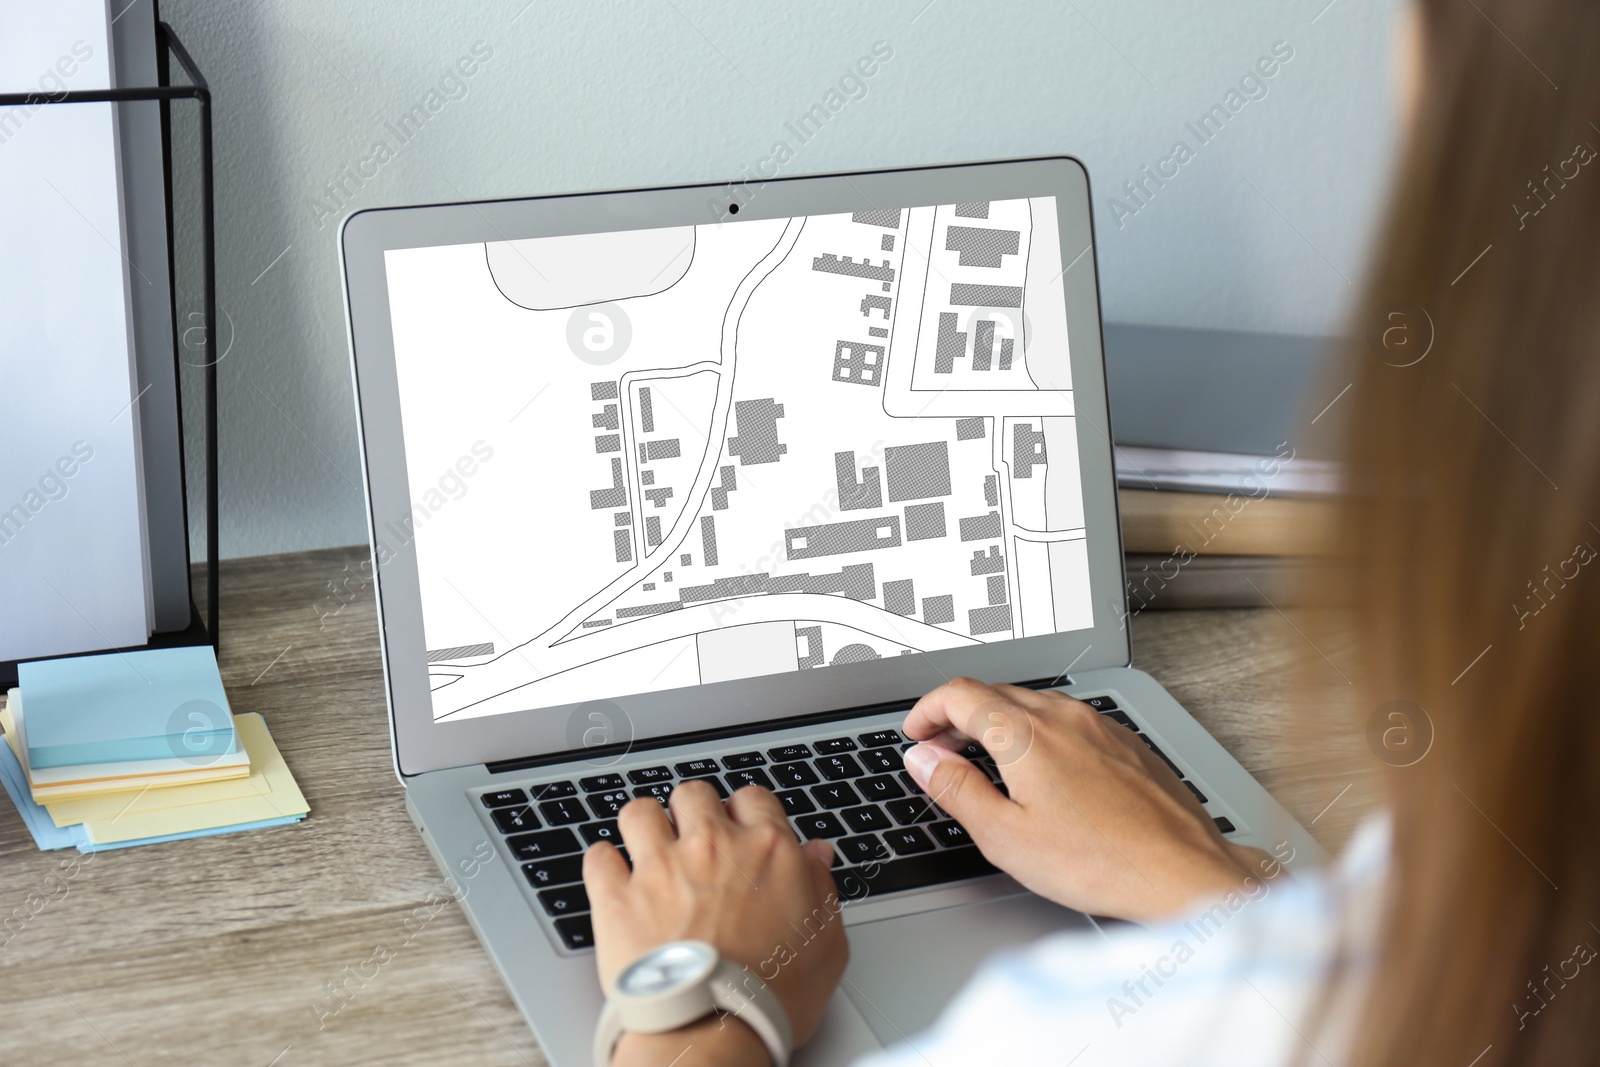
(1461, 927)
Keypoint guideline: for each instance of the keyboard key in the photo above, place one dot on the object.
(1119, 717)
(879, 738)
(838, 744)
(881, 788)
(863, 849)
(911, 810)
(567, 900)
(790, 775)
(563, 812)
(606, 805)
(950, 834)
(600, 782)
(822, 824)
(1151, 745)
(504, 798)
(1101, 703)
(563, 871)
(834, 768)
(646, 775)
(786, 753)
(1201, 797)
(753, 776)
(716, 783)
(835, 795)
(908, 841)
(658, 792)
(576, 931)
(866, 819)
(971, 750)
(515, 820)
(795, 802)
(1225, 824)
(882, 760)
(696, 767)
(596, 832)
(932, 868)
(910, 782)
(743, 759)
(553, 790)
(543, 844)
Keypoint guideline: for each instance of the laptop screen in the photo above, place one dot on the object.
(653, 459)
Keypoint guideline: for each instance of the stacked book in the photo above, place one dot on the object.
(134, 748)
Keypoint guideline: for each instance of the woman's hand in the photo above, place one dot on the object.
(1095, 821)
(732, 875)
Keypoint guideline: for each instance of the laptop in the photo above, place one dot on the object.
(714, 482)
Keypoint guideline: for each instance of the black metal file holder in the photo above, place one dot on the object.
(168, 45)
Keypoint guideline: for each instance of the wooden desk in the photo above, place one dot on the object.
(221, 950)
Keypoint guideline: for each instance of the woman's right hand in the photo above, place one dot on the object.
(1094, 820)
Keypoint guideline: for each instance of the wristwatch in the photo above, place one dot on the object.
(680, 982)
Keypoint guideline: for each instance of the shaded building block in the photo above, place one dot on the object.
(608, 442)
(924, 521)
(837, 538)
(887, 244)
(808, 643)
(982, 344)
(873, 302)
(991, 490)
(963, 294)
(950, 345)
(977, 210)
(644, 610)
(652, 530)
(623, 541)
(663, 449)
(719, 493)
(997, 589)
(623, 518)
(981, 527)
(887, 219)
(757, 438)
(607, 419)
(970, 429)
(993, 563)
(659, 495)
(647, 477)
(708, 540)
(859, 364)
(685, 560)
(1027, 450)
(1005, 353)
(616, 496)
(938, 610)
(856, 494)
(666, 576)
(647, 411)
(603, 391)
(648, 587)
(899, 597)
(917, 472)
(990, 620)
(854, 653)
(980, 246)
(857, 581)
(877, 331)
(592, 624)
(828, 263)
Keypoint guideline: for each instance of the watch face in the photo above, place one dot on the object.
(667, 969)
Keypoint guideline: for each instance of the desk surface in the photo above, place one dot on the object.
(230, 949)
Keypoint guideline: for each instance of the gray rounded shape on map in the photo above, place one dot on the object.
(599, 333)
(600, 725)
(550, 273)
(199, 732)
(857, 653)
(1399, 733)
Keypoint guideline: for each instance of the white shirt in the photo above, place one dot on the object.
(1225, 985)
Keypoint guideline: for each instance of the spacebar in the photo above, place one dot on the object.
(913, 872)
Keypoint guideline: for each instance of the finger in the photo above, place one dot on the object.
(644, 826)
(604, 870)
(695, 805)
(953, 783)
(753, 805)
(952, 706)
(820, 854)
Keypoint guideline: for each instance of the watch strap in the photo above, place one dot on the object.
(732, 988)
(740, 992)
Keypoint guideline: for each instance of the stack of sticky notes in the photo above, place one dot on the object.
(131, 748)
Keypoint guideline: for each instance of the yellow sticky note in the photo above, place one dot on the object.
(273, 795)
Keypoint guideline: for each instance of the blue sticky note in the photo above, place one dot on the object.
(153, 704)
(213, 831)
(46, 834)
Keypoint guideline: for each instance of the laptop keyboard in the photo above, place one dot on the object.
(852, 790)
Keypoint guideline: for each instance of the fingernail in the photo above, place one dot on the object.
(920, 761)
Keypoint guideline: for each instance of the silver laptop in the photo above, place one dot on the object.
(713, 482)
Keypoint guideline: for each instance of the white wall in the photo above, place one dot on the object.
(1264, 228)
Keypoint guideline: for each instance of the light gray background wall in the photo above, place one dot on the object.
(1265, 228)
